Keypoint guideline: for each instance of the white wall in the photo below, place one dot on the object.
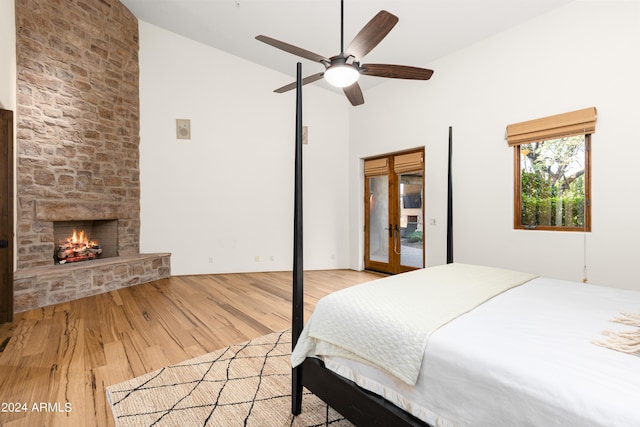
(8, 55)
(226, 196)
(585, 54)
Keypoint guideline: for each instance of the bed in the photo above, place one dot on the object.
(528, 355)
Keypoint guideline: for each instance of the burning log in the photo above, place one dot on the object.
(75, 254)
(77, 248)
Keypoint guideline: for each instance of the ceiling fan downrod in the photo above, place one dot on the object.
(342, 27)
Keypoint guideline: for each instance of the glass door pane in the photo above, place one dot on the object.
(410, 244)
(378, 219)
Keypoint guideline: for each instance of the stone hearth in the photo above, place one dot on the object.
(42, 286)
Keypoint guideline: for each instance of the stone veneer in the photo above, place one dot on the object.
(42, 286)
(77, 137)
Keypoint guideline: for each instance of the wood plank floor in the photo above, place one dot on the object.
(56, 362)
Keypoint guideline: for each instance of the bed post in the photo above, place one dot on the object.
(298, 267)
(450, 203)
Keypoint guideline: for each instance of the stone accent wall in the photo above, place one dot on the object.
(77, 154)
(78, 119)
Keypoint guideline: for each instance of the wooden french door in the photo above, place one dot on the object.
(394, 212)
(6, 216)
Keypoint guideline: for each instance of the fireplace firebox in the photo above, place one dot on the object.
(84, 240)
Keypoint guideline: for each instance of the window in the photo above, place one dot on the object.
(552, 184)
(552, 171)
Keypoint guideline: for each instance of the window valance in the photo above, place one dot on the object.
(411, 162)
(376, 167)
(568, 124)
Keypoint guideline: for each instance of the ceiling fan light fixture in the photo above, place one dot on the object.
(341, 75)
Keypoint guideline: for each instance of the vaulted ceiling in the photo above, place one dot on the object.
(427, 29)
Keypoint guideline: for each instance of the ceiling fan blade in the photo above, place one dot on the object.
(292, 49)
(396, 71)
(354, 94)
(371, 34)
(310, 79)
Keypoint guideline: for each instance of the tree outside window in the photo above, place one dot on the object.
(552, 184)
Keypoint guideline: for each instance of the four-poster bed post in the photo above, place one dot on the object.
(450, 201)
(298, 265)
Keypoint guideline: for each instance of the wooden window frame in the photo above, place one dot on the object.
(517, 211)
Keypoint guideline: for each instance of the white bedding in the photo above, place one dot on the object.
(524, 358)
(396, 312)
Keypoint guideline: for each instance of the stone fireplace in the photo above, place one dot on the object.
(77, 157)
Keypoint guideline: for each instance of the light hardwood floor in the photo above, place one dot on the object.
(56, 362)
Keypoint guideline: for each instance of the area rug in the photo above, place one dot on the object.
(248, 384)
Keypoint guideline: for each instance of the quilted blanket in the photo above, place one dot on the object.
(387, 322)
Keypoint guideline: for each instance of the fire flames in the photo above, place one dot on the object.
(77, 247)
(80, 239)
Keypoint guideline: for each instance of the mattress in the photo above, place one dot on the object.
(524, 358)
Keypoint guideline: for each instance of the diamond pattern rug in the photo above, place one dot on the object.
(247, 384)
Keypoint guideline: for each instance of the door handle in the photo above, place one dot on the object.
(4, 243)
(396, 233)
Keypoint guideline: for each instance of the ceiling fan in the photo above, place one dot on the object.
(344, 69)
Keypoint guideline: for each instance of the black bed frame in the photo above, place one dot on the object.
(359, 406)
